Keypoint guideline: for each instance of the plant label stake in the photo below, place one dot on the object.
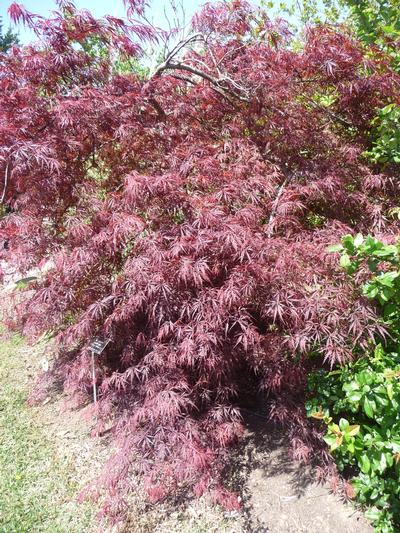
(96, 347)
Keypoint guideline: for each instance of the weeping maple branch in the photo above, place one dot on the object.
(321, 108)
(160, 111)
(270, 225)
(330, 113)
(6, 179)
(219, 84)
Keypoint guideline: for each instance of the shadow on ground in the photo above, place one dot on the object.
(280, 496)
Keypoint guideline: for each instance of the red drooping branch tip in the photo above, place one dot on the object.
(18, 13)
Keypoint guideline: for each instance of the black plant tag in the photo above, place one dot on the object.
(97, 346)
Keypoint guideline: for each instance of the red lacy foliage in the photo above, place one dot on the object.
(187, 220)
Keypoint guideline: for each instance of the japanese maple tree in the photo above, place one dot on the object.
(185, 216)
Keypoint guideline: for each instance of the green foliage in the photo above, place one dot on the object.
(121, 64)
(8, 39)
(24, 282)
(377, 21)
(315, 220)
(306, 11)
(360, 402)
(386, 135)
(383, 262)
(131, 65)
(96, 47)
(360, 405)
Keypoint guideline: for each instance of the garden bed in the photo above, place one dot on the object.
(47, 456)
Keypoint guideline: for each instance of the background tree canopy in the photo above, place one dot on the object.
(8, 39)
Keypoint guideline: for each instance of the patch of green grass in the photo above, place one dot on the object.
(37, 486)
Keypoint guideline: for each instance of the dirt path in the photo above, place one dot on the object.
(283, 498)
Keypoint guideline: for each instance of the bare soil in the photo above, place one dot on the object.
(282, 496)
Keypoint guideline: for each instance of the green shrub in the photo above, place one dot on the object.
(386, 133)
(359, 402)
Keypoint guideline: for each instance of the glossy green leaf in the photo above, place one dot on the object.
(364, 463)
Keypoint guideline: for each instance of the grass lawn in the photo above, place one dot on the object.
(45, 458)
(38, 485)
